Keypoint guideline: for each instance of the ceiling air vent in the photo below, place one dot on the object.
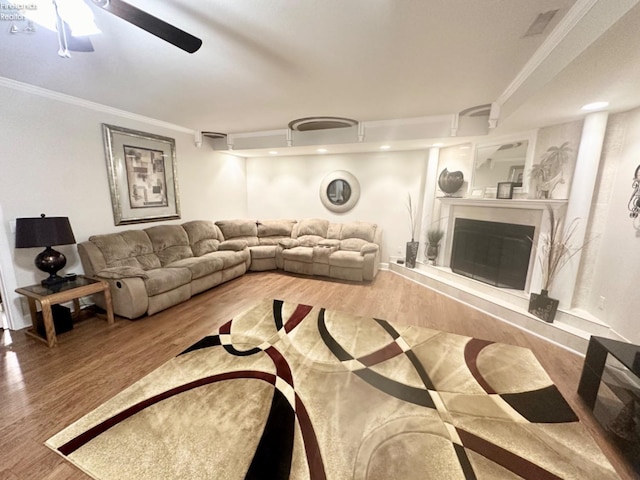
(540, 23)
(320, 123)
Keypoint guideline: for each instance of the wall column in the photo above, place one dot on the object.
(580, 198)
(428, 201)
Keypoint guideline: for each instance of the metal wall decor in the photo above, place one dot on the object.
(339, 191)
(142, 175)
(634, 201)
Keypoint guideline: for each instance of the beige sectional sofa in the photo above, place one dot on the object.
(155, 268)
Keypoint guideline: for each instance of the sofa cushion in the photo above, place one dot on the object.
(234, 245)
(204, 236)
(313, 226)
(160, 280)
(131, 248)
(273, 240)
(170, 243)
(239, 230)
(199, 266)
(309, 240)
(346, 259)
(275, 228)
(298, 254)
(230, 258)
(365, 231)
(263, 251)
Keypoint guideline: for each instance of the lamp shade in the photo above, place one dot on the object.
(43, 232)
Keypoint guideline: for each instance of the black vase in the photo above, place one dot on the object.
(450, 182)
(432, 252)
(412, 253)
(543, 306)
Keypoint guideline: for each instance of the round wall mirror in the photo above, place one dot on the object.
(339, 191)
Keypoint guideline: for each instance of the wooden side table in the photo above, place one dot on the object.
(69, 291)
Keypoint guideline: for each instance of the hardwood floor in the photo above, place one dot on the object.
(42, 390)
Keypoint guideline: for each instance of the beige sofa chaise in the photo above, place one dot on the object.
(155, 268)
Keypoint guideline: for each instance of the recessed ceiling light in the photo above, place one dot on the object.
(594, 106)
(273, 152)
(385, 147)
(322, 150)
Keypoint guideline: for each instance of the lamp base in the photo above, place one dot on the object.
(52, 281)
(50, 261)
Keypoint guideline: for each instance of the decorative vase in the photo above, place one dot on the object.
(543, 306)
(450, 182)
(432, 252)
(412, 253)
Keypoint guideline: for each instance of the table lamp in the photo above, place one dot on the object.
(45, 231)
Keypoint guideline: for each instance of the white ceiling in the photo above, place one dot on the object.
(264, 63)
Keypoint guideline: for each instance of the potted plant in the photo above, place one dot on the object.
(412, 246)
(555, 251)
(434, 235)
(549, 172)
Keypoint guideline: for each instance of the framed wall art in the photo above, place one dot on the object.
(142, 175)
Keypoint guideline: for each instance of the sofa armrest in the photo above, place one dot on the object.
(369, 248)
(288, 243)
(234, 245)
(118, 273)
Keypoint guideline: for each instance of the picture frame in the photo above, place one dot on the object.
(504, 190)
(143, 178)
(477, 193)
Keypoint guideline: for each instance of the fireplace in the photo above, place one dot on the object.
(492, 252)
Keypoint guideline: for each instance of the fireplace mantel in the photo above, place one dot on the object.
(526, 203)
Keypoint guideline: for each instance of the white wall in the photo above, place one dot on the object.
(616, 273)
(288, 187)
(53, 162)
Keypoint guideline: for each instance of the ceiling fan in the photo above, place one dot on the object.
(133, 15)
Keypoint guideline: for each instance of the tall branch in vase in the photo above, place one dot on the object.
(412, 217)
(412, 246)
(555, 250)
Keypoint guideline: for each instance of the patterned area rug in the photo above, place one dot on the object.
(288, 391)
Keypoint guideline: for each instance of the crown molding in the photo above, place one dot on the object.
(98, 107)
(564, 28)
(583, 24)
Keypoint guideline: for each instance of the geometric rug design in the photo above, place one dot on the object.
(287, 391)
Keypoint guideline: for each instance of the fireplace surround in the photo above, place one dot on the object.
(530, 213)
(492, 252)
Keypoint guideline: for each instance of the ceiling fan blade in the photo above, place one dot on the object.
(151, 24)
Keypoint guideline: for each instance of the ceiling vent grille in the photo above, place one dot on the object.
(540, 23)
(320, 123)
